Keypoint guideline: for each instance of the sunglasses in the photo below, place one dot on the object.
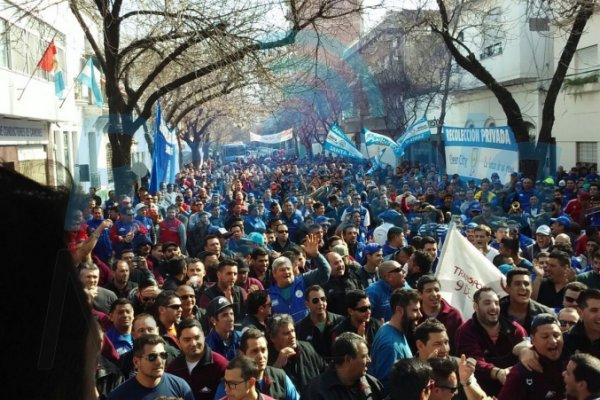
(564, 323)
(452, 389)
(363, 309)
(570, 299)
(174, 306)
(154, 356)
(318, 300)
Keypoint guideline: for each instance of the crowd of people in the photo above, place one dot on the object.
(294, 279)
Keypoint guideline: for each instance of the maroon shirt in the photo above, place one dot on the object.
(452, 320)
(523, 384)
(205, 376)
(473, 341)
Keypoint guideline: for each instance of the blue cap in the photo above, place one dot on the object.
(475, 206)
(372, 248)
(293, 199)
(565, 221)
(323, 220)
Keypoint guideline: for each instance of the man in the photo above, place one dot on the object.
(358, 320)
(419, 264)
(483, 234)
(433, 305)
(391, 277)
(119, 334)
(583, 337)
(176, 269)
(543, 242)
(195, 277)
(103, 247)
(392, 340)
(347, 378)
(144, 296)
(568, 318)
(102, 298)
(125, 230)
(240, 380)
(168, 314)
(270, 380)
(297, 358)
(189, 309)
(582, 377)
(355, 248)
(226, 287)
(259, 266)
(518, 305)
(171, 229)
(572, 291)
(222, 338)
(198, 365)
(510, 247)
(367, 274)
(394, 242)
(151, 381)
(549, 287)
(143, 324)
(365, 217)
(292, 218)
(430, 246)
(258, 310)
(547, 341)
(411, 379)
(243, 279)
(317, 326)
(489, 338)
(287, 292)
(560, 225)
(445, 379)
(120, 284)
(282, 241)
(592, 278)
(342, 280)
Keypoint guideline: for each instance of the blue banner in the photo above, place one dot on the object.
(476, 153)
(164, 159)
(338, 143)
(414, 133)
(381, 149)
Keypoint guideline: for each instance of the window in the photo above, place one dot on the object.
(586, 58)
(4, 44)
(587, 152)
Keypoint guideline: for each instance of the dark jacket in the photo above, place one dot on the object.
(336, 289)
(327, 386)
(303, 367)
(321, 341)
(534, 309)
(205, 376)
(239, 299)
(576, 340)
(523, 384)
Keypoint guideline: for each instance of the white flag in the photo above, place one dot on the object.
(462, 269)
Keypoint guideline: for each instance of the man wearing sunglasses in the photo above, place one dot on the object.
(317, 326)
(358, 308)
(151, 380)
(391, 276)
(168, 314)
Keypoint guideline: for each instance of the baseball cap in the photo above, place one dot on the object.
(139, 207)
(543, 230)
(217, 305)
(543, 319)
(166, 245)
(322, 220)
(562, 220)
(372, 248)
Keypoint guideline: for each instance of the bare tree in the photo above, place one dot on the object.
(147, 49)
(570, 15)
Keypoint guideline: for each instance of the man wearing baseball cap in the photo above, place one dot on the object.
(543, 242)
(222, 338)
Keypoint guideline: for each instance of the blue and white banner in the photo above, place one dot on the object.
(414, 133)
(275, 138)
(338, 143)
(381, 149)
(476, 153)
(166, 152)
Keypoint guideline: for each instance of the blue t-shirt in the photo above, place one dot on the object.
(389, 346)
(170, 386)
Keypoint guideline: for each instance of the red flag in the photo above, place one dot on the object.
(47, 61)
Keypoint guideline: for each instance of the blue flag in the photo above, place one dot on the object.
(338, 143)
(414, 133)
(164, 159)
(90, 77)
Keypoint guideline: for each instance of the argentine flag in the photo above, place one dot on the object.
(90, 77)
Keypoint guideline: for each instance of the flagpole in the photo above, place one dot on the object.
(36, 67)
(72, 85)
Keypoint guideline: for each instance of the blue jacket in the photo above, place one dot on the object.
(295, 306)
(379, 293)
